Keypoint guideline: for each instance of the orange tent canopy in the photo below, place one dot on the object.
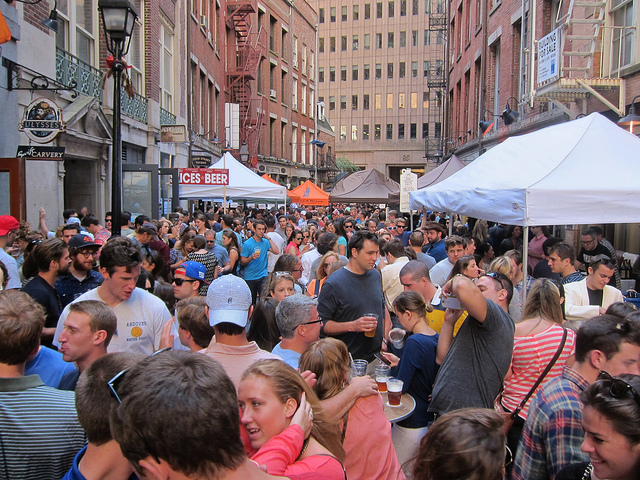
(309, 194)
(268, 178)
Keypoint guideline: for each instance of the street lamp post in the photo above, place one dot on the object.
(118, 19)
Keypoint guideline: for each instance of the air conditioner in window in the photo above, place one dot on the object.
(272, 93)
(203, 21)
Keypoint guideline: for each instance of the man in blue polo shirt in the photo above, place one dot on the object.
(254, 258)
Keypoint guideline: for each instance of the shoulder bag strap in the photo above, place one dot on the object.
(542, 375)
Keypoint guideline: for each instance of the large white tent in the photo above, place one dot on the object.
(579, 172)
(243, 185)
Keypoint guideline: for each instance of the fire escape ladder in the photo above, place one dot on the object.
(582, 28)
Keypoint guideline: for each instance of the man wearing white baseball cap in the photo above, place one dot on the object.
(229, 308)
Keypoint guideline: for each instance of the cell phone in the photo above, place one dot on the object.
(451, 302)
(382, 358)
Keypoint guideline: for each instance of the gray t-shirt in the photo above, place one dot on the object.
(476, 363)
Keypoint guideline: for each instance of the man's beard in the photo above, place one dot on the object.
(81, 266)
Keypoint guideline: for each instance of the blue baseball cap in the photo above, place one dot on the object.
(193, 269)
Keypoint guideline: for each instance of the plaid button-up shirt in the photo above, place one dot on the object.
(553, 432)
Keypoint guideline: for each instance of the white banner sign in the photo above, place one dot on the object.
(549, 57)
(408, 183)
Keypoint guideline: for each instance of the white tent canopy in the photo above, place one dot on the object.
(243, 185)
(579, 172)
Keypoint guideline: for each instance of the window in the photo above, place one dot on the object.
(401, 98)
(356, 12)
(284, 41)
(425, 99)
(414, 69)
(354, 72)
(332, 14)
(303, 103)
(312, 65)
(354, 132)
(367, 41)
(623, 38)
(295, 52)
(355, 43)
(439, 38)
(401, 131)
(414, 100)
(354, 102)
(389, 39)
(343, 132)
(413, 131)
(321, 15)
(365, 101)
(378, 71)
(427, 38)
(332, 74)
(390, 70)
(332, 44)
(272, 34)
(389, 101)
(321, 44)
(403, 39)
(391, 8)
(376, 131)
(403, 8)
(414, 38)
(378, 40)
(425, 130)
(294, 95)
(379, 10)
(283, 85)
(343, 43)
(366, 71)
(389, 131)
(343, 102)
(321, 74)
(365, 132)
(166, 67)
(343, 73)
(332, 103)
(378, 101)
(426, 68)
(304, 59)
(367, 11)
(427, 7)
(437, 130)
(402, 70)
(414, 7)
(344, 13)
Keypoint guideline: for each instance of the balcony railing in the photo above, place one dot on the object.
(166, 117)
(70, 70)
(136, 107)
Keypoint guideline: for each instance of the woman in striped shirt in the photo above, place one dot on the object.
(537, 338)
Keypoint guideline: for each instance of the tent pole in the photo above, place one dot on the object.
(450, 223)
(525, 263)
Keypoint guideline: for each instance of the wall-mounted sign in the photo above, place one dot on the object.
(203, 176)
(549, 57)
(173, 133)
(31, 152)
(200, 161)
(42, 120)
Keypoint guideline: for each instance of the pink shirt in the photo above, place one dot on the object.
(535, 247)
(236, 359)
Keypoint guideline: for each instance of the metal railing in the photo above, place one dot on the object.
(71, 70)
(136, 107)
(166, 117)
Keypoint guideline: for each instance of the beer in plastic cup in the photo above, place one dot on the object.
(394, 392)
(257, 250)
(359, 368)
(371, 333)
(382, 376)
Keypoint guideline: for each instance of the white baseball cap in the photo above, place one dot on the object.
(229, 301)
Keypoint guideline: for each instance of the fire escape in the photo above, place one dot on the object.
(247, 51)
(581, 69)
(437, 81)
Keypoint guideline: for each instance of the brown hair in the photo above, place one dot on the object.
(410, 301)
(101, 316)
(287, 383)
(21, 324)
(328, 358)
(273, 280)
(119, 252)
(192, 317)
(321, 273)
(543, 300)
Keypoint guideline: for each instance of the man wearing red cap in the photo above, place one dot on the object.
(8, 227)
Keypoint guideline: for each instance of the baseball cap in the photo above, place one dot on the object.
(148, 227)
(229, 300)
(71, 220)
(82, 240)
(192, 269)
(7, 224)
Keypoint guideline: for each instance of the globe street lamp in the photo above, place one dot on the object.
(118, 19)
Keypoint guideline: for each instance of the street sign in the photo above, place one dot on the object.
(203, 176)
(408, 183)
(549, 57)
(32, 152)
(173, 133)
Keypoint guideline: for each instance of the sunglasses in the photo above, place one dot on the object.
(114, 385)
(107, 220)
(619, 388)
(348, 226)
(180, 281)
(311, 323)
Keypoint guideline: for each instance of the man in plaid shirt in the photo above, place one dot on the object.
(553, 431)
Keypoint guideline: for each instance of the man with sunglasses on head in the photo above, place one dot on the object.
(553, 432)
(81, 277)
(474, 363)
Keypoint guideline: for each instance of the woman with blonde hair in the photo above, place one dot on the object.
(537, 338)
(329, 360)
(278, 285)
(315, 285)
(285, 423)
(504, 266)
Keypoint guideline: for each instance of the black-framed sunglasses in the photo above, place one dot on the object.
(619, 388)
(114, 385)
(107, 220)
(311, 323)
(180, 281)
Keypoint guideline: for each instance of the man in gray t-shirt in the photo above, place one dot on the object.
(475, 362)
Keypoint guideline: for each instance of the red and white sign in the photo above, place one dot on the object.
(203, 176)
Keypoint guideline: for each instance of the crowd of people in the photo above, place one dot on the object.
(228, 344)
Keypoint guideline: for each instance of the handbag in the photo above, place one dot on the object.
(509, 417)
